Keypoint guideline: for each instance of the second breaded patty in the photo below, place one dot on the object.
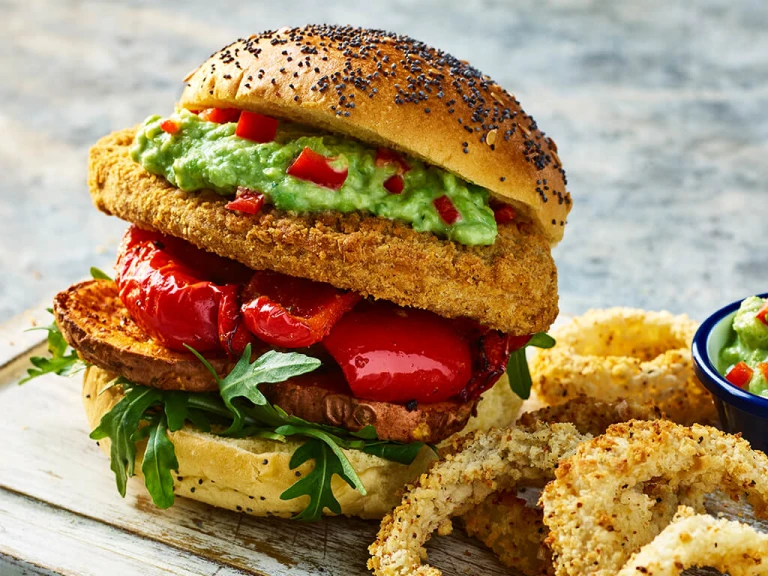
(510, 285)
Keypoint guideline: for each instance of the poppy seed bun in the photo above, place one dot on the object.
(393, 91)
(249, 474)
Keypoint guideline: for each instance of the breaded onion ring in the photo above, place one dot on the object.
(480, 464)
(591, 416)
(701, 540)
(620, 490)
(513, 529)
(625, 353)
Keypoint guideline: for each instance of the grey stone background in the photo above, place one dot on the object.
(659, 108)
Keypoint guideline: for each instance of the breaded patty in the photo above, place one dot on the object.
(510, 285)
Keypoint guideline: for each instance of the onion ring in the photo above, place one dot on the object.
(620, 490)
(625, 353)
(479, 465)
(591, 416)
(511, 527)
(701, 540)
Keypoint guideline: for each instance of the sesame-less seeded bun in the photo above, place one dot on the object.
(249, 474)
(393, 91)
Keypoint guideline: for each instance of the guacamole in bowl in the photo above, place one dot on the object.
(744, 359)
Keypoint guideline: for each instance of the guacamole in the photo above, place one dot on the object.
(206, 155)
(749, 344)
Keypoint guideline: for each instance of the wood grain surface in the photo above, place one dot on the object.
(60, 512)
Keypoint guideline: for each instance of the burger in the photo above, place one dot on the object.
(339, 242)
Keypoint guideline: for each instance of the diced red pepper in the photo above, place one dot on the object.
(394, 184)
(763, 315)
(503, 213)
(256, 127)
(246, 201)
(314, 167)
(293, 312)
(169, 126)
(386, 156)
(446, 210)
(220, 115)
(740, 375)
(764, 369)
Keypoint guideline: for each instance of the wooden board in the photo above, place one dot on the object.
(60, 512)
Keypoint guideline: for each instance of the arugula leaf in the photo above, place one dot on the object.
(120, 425)
(159, 461)
(517, 367)
(245, 377)
(176, 408)
(541, 340)
(316, 484)
(97, 274)
(349, 473)
(402, 453)
(63, 360)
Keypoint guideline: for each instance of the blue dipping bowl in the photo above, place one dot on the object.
(740, 411)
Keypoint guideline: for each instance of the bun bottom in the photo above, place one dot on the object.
(249, 474)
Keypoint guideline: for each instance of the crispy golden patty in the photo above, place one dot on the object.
(510, 286)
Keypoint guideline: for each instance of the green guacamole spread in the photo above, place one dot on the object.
(206, 155)
(748, 343)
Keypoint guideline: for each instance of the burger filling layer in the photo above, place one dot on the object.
(297, 168)
(182, 296)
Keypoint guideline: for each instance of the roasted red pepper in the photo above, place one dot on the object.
(220, 115)
(246, 201)
(293, 312)
(256, 127)
(314, 167)
(174, 291)
(394, 354)
(446, 210)
(169, 126)
(762, 315)
(740, 375)
(490, 355)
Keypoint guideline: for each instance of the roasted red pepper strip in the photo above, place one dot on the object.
(740, 375)
(762, 315)
(393, 354)
(256, 127)
(220, 115)
(166, 285)
(446, 210)
(314, 167)
(293, 312)
(246, 201)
